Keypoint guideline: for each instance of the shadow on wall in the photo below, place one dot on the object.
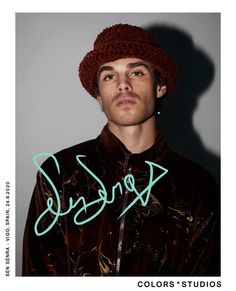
(196, 72)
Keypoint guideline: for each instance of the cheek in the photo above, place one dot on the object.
(146, 88)
(150, 103)
(106, 86)
(106, 95)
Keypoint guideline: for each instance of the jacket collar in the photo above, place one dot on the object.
(111, 149)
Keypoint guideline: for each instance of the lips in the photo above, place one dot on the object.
(125, 100)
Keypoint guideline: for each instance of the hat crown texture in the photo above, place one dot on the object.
(124, 32)
(126, 41)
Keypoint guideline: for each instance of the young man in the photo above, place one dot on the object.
(125, 203)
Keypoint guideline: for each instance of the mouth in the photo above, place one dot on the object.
(125, 101)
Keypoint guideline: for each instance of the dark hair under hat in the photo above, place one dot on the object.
(126, 41)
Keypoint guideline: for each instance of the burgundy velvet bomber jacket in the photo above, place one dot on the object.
(99, 210)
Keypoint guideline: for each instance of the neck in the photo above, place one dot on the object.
(136, 138)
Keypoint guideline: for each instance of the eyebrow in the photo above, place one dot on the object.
(129, 65)
(138, 64)
(104, 68)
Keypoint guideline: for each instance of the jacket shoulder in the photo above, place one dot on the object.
(66, 158)
(193, 178)
(182, 165)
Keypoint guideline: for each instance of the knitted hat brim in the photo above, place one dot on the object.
(124, 49)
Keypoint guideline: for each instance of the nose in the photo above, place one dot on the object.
(124, 84)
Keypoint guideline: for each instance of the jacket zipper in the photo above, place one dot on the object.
(122, 222)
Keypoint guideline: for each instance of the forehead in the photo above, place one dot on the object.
(124, 64)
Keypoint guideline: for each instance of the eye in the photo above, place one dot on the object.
(108, 77)
(137, 74)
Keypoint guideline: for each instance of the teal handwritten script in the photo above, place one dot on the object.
(129, 184)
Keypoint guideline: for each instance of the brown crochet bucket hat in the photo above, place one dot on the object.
(126, 41)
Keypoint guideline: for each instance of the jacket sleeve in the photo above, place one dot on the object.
(205, 242)
(41, 256)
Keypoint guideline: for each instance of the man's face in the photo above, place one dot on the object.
(127, 92)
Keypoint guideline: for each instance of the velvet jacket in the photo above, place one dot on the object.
(167, 228)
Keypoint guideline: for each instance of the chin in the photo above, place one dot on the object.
(127, 122)
(127, 119)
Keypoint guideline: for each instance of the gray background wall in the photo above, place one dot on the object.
(53, 111)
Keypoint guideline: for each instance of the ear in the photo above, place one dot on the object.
(99, 99)
(161, 90)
